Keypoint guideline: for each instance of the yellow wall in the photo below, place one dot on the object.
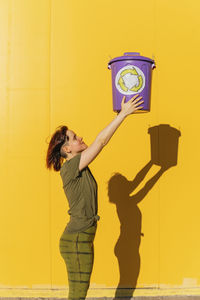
(53, 71)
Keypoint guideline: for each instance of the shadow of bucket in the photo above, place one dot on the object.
(164, 145)
(131, 75)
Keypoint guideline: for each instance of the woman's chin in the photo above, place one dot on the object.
(84, 147)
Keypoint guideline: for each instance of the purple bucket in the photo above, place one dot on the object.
(131, 75)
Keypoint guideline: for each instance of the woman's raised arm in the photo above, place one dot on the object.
(89, 154)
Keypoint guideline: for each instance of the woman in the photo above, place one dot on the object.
(80, 187)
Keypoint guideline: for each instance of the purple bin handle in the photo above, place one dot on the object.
(131, 53)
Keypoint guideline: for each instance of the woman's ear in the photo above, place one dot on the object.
(67, 149)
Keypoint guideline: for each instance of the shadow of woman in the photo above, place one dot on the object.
(119, 190)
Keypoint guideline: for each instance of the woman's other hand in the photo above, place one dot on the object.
(130, 106)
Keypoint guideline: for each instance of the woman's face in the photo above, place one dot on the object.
(76, 143)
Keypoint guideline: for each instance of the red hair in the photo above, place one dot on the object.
(55, 155)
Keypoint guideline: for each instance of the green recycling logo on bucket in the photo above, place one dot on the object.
(130, 80)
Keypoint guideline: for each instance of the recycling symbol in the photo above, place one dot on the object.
(130, 80)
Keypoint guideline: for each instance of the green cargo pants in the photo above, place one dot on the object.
(77, 250)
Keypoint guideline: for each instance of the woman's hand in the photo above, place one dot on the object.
(131, 106)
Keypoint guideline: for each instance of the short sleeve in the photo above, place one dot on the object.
(72, 167)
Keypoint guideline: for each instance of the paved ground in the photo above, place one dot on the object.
(107, 298)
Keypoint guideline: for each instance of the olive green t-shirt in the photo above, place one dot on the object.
(80, 188)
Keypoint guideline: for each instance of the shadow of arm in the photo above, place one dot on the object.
(147, 187)
(139, 177)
